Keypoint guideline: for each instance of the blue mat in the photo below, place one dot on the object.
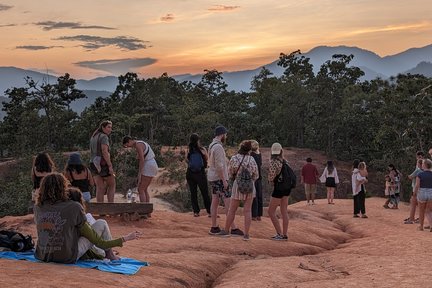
(125, 266)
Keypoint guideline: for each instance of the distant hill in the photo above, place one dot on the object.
(77, 106)
(414, 59)
(424, 68)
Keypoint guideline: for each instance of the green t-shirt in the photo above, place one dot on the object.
(58, 228)
(103, 139)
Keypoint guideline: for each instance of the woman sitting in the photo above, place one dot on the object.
(64, 235)
(79, 175)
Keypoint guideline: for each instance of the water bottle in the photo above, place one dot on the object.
(129, 196)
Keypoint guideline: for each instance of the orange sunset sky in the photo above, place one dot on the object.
(95, 38)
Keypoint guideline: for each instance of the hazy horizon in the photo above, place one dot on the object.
(96, 39)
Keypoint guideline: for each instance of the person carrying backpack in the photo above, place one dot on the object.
(243, 171)
(196, 174)
(283, 179)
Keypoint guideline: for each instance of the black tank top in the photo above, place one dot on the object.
(82, 184)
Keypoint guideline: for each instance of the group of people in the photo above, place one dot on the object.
(421, 195)
(310, 178)
(235, 181)
(65, 232)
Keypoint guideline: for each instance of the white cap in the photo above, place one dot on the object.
(276, 149)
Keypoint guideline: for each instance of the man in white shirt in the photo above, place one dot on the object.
(217, 175)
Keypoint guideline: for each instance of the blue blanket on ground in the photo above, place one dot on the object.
(125, 266)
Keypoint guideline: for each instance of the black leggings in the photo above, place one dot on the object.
(194, 181)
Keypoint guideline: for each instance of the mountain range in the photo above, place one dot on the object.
(414, 61)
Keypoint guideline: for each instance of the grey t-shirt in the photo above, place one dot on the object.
(58, 228)
(103, 139)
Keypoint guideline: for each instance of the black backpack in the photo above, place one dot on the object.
(286, 180)
(15, 241)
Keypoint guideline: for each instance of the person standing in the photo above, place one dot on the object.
(257, 204)
(358, 190)
(196, 174)
(279, 197)
(413, 199)
(217, 175)
(148, 167)
(331, 179)
(395, 177)
(100, 162)
(243, 169)
(423, 192)
(79, 175)
(309, 177)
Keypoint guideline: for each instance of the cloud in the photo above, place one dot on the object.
(50, 25)
(392, 28)
(7, 25)
(117, 66)
(36, 47)
(96, 42)
(222, 8)
(5, 7)
(167, 18)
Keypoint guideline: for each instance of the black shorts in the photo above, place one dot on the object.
(330, 182)
(218, 188)
(279, 194)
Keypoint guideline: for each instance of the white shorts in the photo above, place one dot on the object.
(150, 168)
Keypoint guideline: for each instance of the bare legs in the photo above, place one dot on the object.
(247, 212)
(214, 209)
(105, 184)
(283, 203)
(143, 189)
(330, 194)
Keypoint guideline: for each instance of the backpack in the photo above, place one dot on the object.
(245, 184)
(286, 180)
(196, 161)
(15, 241)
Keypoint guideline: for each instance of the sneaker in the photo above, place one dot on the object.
(285, 237)
(196, 214)
(246, 237)
(237, 232)
(417, 220)
(223, 233)
(279, 237)
(408, 221)
(356, 216)
(259, 218)
(214, 230)
(364, 216)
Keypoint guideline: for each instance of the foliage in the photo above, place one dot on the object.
(379, 121)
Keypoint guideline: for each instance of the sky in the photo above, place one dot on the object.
(93, 38)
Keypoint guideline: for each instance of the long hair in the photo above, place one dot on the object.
(75, 194)
(194, 143)
(43, 163)
(330, 166)
(356, 163)
(103, 124)
(52, 189)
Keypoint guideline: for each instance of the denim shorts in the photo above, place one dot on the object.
(217, 188)
(424, 195)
